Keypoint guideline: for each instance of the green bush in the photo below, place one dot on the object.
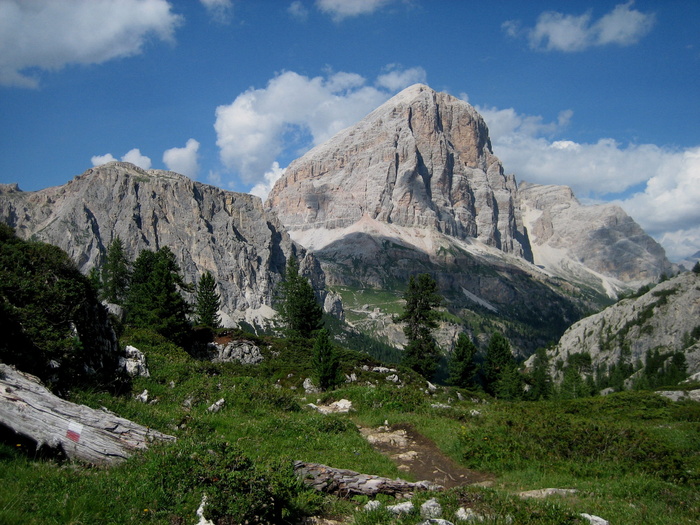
(237, 489)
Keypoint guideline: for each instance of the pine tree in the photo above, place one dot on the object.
(421, 353)
(541, 381)
(154, 299)
(696, 268)
(326, 364)
(115, 273)
(299, 311)
(499, 361)
(462, 365)
(208, 302)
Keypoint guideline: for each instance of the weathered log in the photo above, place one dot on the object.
(348, 483)
(94, 436)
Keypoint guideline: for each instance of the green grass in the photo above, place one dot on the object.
(634, 457)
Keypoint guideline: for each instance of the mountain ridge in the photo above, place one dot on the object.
(207, 228)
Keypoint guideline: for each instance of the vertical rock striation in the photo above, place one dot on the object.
(226, 233)
(423, 159)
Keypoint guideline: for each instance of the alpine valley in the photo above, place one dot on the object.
(414, 187)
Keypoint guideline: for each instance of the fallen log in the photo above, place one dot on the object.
(81, 433)
(348, 483)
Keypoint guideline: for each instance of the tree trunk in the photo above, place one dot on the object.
(348, 483)
(94, 436)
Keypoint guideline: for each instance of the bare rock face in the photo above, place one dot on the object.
(423, 159)
(226, 233)
(568, 238)
(667, 319)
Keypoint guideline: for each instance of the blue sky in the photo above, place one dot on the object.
(598, 95)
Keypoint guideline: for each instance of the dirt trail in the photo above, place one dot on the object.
(419, 456)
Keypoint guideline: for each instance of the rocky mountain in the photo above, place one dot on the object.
(589, 244)
(227, 233)
(415, 186)
(423, 159)
(665, 319)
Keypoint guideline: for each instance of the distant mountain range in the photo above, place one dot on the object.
(413, 187)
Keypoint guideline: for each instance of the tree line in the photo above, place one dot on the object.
(151, 291)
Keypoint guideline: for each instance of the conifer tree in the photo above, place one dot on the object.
(326, 364)
(208, 302)
(541, 381)
(462, 365)
(299, 311)
(421, 353)
(499, 361)
(115, 273)
(155, 299)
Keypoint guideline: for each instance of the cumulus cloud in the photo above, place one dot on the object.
(340, 9)
(134, 156)
(291, 114)
(262, 189)
(556, 31)
(666, 207)
(99, 160)
(220, 10)
(48, 35)
(396, 78)
(183, 160)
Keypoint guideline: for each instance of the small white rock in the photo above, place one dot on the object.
(372, 505)
(594, 520)
(401, 508)
(217, 406)
(431, 509)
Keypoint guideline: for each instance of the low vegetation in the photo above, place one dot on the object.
(632, 457)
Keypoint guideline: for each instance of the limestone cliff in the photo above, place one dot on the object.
(589, 243)
(423, 159)
(207, 228)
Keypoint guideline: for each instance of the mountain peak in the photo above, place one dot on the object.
(422, 159)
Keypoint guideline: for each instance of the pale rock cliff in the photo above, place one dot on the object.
(666, 318)
(226, 233)
(423, 159)
(589, 244)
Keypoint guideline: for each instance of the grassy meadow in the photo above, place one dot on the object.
(633, 457)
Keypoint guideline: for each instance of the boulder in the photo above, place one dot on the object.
(134, 362)
(242, 351)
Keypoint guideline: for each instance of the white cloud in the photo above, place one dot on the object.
(220, 10)
(99, 160)
(667, 208)
(134, 156)
(291, 114)
(556, 31)
(262, 189)
(297, 10)
(183, 160)
(48, 34)
(396, 79)
(340, 9)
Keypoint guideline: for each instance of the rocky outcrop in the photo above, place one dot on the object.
(226, 233)
(588, 243)
(666, 318)
(423, 159)
(241, 351)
